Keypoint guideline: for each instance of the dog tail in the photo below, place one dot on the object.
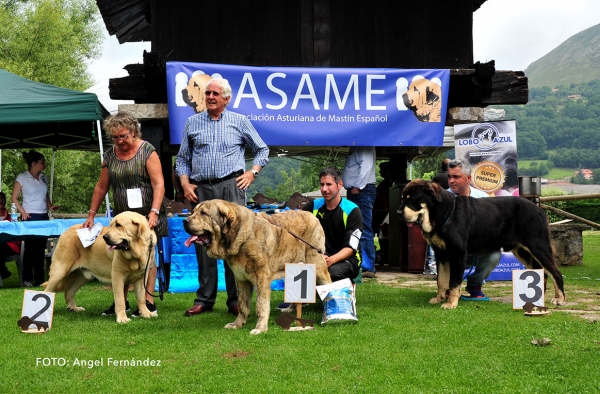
(60, 287)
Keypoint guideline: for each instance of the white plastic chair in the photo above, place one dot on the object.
(18, 259)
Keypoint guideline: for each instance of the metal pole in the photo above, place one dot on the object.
(102, 161)
(52, 174)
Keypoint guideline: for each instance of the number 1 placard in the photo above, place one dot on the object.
(528, 286)
(300, 283)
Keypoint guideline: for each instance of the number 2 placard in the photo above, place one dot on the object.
(38, 309)
(528, 286)
(300, 283)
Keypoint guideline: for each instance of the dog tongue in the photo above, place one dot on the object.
(110, 249)
(190, 240)
(409, 224)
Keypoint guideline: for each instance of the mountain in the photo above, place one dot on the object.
(575, 60)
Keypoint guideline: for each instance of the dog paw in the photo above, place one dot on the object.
(257, 331)
(435, 300)
(449, 305)
(123, 321)
(232, 326)
(75, 309)
(558, 301)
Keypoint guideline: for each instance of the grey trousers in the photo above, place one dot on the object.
(207, 267)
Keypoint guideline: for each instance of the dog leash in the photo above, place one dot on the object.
(160, 287)
(298, 237)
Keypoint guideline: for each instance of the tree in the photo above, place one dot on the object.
(294, 182)
(427, 168)
(75, 176)
(50, 41)
(579, 178)
(531, 146)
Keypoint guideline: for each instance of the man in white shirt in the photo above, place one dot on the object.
(459, 180)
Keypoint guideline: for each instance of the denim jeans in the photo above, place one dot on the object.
(484, 265)
(365, 200)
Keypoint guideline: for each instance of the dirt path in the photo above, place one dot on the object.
(584, 303)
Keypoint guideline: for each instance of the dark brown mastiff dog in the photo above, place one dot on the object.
(459, 226)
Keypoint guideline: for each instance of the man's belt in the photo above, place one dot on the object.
(214, 181)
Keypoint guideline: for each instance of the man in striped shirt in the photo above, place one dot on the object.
(210, 164)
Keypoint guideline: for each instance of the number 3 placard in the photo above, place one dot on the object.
(528, 286)
(38, 309)
(300, 283)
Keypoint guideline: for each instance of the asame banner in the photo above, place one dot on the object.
(292, 106)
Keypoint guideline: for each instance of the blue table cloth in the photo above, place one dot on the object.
(17, 231)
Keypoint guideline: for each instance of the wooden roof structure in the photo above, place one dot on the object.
(129, 20)
(309, 33)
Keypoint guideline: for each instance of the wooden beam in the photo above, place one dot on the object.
(570, 216)
(478, 86)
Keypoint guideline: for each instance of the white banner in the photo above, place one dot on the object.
(491, 149)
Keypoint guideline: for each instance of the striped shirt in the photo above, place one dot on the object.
(215, 148)
(132, 174)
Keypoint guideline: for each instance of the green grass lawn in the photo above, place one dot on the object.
(401, 344)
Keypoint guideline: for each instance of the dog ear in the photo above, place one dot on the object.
(141, 226)
(432, 96)
(227, 217)
(435, 188)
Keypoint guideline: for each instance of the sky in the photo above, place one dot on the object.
(514, 33)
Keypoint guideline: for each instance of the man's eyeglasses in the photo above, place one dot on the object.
(120, 137)
(208, 93)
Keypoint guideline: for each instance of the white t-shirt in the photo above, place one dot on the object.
(34, 192)
(475, 193)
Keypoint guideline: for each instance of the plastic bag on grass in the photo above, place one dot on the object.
(339, 301)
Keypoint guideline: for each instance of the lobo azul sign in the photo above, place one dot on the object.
(292, 106)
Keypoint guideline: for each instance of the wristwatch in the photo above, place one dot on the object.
(156, 211)
(255, 173)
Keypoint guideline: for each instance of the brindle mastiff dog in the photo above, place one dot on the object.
(257, 247)
(459, 226)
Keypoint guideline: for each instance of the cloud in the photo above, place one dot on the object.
(115, 56)
(515, 33)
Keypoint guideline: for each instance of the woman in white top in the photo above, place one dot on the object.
(33, 185)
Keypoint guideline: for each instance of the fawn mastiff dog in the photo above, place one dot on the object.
(118, 256)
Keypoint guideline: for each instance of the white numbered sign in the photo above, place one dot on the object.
(38, 306)
(528, 286)
(300, 283)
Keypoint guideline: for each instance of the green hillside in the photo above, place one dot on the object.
(560, 124)
(574, 61)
